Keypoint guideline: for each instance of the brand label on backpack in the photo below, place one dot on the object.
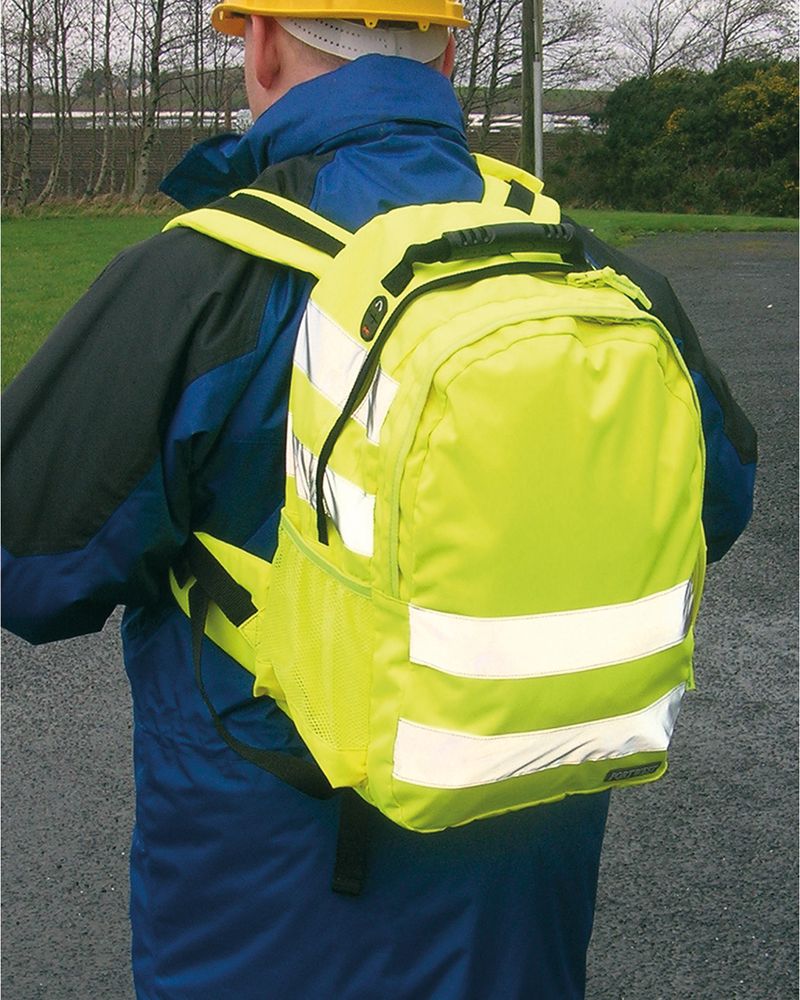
(625, 773)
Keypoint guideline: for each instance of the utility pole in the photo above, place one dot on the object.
(531, 152)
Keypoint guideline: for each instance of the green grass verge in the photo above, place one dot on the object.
(47, 264)
(622, 227)
(49, 261)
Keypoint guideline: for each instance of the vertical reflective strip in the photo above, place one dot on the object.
(290, 470)
(303, 464)
(331, 360)
(372, 410)
(439, 758)
(541, 645)
(349, 507)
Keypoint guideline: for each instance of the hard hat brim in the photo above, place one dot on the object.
(228, 17)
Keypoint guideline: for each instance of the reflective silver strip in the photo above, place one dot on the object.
(439, 758)
(541, 645)
(373, 408)
(331, 360)
(349, 507)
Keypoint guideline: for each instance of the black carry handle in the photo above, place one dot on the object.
(487, 241)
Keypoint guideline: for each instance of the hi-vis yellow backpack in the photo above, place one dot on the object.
(491, 553)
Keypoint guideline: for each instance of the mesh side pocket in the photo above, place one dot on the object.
(319, 636)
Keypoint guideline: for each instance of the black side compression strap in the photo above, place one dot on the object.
(233, 600)
(301, 774)
(350, 866)
(248, 206)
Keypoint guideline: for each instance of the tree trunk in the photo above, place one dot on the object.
(13, 110)
(30, 93)
(150, 107)
(58, 111)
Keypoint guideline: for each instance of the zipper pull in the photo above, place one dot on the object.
(607, 277)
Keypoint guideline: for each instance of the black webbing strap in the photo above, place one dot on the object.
(233, 600)
(350, 868)
(307, 777)
(520, 197)
(248, 206)
(301, 774)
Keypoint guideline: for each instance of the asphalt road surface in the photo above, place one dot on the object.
(698, 888)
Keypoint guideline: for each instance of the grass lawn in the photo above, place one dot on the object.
(48, 262)
(621, 227)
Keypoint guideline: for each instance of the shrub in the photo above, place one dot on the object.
(705, 142)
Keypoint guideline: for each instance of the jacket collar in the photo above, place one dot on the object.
(364, 98)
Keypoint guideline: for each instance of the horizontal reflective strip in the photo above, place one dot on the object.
(439, 758)
(331, 361)
(348, 506)
(559, 643)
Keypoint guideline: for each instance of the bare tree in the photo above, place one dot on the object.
(489, 61)
(657, 35)
(747, 28)
(198, 65)
(152, 54)
(223, 56)
(14, 44)
(27, 58)
(109, 107)
(55, 24)
(577, 48)
(576, 53)
(468, 66)
(129, 59)
(124, 61)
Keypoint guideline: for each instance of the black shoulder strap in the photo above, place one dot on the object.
(269, 226)
(277, 219)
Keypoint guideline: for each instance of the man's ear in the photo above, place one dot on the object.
(266, 58)
(449, 56)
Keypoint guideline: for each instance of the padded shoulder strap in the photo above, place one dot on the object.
(505, 184)
(269, 226)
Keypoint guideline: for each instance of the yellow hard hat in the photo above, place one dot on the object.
(228, 16)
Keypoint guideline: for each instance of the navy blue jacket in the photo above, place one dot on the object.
(157, 408)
